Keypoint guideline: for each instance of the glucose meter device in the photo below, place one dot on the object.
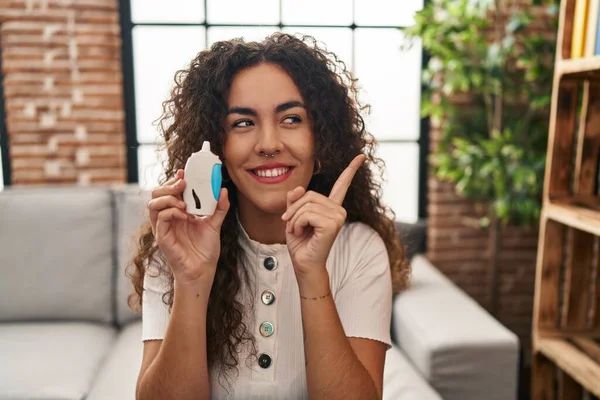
(202, 182)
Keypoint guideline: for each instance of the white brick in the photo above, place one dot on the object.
(50, 30)
(29, 110)
(81, 133)
(82, 156)
(83, 179)
(77, 95)
(52, 168)
(48, 83)
(65, 110)
(48, 119)
(53, 144)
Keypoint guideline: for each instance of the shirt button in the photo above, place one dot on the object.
(264, 360)
(268, 297)
(270, 263)
(266, 329)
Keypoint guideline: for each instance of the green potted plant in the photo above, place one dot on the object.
(494, 149)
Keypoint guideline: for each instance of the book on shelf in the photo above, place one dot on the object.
(597, 18)
(579, 28)
(592, 35)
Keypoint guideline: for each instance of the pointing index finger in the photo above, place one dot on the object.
(340, 188)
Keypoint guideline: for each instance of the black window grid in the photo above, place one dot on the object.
(6, 167)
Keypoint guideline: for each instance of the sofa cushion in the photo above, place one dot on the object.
(412, 236)
(53, 360)
(56, 250)
(130, 206)
(455, 344)
(119, 373)
(401, 381)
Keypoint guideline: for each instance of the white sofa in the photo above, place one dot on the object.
(66, 332)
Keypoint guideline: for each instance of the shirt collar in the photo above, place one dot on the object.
(256, 248)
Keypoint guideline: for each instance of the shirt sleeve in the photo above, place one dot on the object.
(364, 299)
(155, 313)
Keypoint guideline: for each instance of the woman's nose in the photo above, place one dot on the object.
(268, 140)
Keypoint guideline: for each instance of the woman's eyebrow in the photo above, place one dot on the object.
(280, 108)
(242, 110)
(288, 105)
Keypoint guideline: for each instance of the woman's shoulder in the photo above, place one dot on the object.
(357, 233)
(356, 249)
(353, 241)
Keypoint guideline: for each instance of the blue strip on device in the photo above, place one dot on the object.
(215, 180)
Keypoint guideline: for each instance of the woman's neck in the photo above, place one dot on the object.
(261, 226)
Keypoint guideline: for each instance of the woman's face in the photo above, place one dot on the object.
(266, 117)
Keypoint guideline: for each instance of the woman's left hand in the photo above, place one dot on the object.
(313, 222)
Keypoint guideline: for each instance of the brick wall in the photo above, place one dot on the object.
(61, 61)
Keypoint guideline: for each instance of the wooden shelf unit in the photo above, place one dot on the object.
(574, 214)
(583, 68)
(574, 360)
(566, 320)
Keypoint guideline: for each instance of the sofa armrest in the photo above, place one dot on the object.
(462, 351)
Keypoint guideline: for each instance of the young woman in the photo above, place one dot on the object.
(286, 291)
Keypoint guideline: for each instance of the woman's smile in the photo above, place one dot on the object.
(271, 173)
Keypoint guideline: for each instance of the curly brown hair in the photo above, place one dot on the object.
(195, 112)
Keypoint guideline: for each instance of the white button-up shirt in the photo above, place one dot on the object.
(361, 286)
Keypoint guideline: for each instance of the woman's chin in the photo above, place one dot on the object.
(272, 208)
(270, 205)
(273, 202)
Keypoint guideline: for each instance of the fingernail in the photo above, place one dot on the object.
(284, 216)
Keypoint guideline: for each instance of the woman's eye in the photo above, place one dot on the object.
(292, 119)
(244, 123)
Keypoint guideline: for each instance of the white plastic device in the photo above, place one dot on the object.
(202, 175)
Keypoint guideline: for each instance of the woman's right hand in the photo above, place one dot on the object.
(190, 244)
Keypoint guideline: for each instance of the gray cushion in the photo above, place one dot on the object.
(51, 360)
(131, 212)
(56, 254)
(456, 345)
(412, 236)
(401, 381)
(118, 376)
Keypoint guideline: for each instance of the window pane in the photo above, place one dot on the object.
(149, 166)
(338, 40)
(401, 179)
(216, 34)
(391, 79)
(172, 11)
(386, 12)
(243, 12)
(158, 52)
(317, 12)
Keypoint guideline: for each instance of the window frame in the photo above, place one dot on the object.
(4, 141)
(133, 144)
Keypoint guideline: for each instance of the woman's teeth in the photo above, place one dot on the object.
(271, 173)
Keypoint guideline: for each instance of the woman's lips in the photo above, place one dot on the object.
(271, 180)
